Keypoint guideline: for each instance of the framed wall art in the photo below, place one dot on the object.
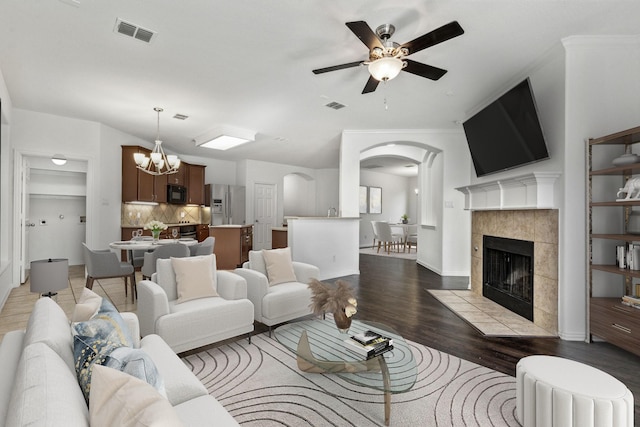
(375, 200)
(364, 199)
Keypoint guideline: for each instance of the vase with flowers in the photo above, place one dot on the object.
(156, 227)
(338, 300)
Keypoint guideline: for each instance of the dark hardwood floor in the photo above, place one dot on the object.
(393, 291)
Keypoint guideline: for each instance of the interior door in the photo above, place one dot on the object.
(265, 212)
(25, 222)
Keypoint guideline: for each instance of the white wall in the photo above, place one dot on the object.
(63, 226)
(299, 195)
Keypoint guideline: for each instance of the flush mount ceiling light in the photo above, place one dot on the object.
(157, 163)
(224, 138)
(58, 159)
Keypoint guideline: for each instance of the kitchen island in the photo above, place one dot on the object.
(232, 245)
(330, 243)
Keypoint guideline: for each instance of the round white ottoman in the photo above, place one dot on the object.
(556, 392)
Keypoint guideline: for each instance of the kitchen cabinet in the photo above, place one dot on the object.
(278, 237)
(143, 187)
(139, 186)
(233, 243)
(607, 219)
(195, 184)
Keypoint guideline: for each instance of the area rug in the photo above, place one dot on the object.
(391, 254)
(488, 317)
(260, 385)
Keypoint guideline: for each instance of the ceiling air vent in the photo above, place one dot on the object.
(335, 105)
(132, 30)
(180, 116)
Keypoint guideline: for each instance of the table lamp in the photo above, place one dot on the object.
(48, 276)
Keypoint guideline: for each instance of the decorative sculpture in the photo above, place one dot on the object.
(631, 189)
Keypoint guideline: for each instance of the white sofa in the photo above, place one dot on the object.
(198, 322)
(279, 303)
(38, 383)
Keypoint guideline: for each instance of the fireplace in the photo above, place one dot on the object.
(507, 273)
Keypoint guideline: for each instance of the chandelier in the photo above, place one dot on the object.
(157, 163)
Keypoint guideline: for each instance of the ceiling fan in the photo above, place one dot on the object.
(387, 59)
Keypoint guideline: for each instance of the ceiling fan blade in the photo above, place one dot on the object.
(424, 70)
(362, 30)
(439, 35)
(337, 67)
(371, 85)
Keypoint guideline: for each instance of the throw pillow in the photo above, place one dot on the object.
(87, 306)
(95, 339)
(136, 362)
(279, 266)
(195, 277)
(118, 399)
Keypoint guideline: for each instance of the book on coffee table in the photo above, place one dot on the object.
(375, 345)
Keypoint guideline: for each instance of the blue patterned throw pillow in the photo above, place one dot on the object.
(95, 339)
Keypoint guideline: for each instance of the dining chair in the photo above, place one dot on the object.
(375, 233)
(203, 248)
(104, 264)
(138, 255)
(387, 237)
(412, 237)
(176, 250)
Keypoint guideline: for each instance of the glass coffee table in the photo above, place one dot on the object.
(320, 348)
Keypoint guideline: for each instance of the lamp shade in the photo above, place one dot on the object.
(387, 68)
(47, 276)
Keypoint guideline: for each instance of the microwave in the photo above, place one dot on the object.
(176, 194)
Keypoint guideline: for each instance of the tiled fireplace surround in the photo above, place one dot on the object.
(537, 225)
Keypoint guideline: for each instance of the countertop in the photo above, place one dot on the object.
(279, 228)
(322, 217)
(168, 225)
(230, 226)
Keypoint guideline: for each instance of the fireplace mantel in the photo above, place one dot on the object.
(531, 191)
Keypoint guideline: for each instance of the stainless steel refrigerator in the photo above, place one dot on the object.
(227, 204)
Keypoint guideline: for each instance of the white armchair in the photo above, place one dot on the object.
(196, 322)
(279, 303)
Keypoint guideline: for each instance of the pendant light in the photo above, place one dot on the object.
(158, 163)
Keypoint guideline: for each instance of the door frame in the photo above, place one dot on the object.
(91, 227)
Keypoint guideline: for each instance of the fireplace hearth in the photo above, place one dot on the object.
(507, 274)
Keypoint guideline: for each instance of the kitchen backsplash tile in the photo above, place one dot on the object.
(138, 215)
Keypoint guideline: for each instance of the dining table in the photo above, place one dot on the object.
(147, 245)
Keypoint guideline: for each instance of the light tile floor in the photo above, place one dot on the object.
(16, 311)
(488, 317)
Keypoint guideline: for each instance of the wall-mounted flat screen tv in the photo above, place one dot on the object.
(506, 133)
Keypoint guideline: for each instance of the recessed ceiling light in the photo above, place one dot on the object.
(224, 138)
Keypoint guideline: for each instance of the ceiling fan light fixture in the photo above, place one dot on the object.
(386, 68)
